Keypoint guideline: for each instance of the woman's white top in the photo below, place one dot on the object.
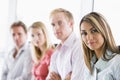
(104, 70)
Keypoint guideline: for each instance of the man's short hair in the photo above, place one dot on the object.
(67, 13)
(19, 24)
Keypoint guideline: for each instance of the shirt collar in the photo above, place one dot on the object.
(101, 64)
(22, 49)
(70, 40)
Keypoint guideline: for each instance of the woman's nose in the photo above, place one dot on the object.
(89, 36)
(35, 38)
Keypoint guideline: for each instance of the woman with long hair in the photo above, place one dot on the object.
(101, 54)
(41, 50)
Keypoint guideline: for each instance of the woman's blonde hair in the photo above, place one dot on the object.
(98, 21)
(35, 50)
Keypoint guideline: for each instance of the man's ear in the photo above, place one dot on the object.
(71, 23)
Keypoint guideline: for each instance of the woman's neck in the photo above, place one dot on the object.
(98, 53)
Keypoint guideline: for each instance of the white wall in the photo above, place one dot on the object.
(3, 23)
(30, 11)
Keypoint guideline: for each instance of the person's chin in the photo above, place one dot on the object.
(92, 48)
(58, 37)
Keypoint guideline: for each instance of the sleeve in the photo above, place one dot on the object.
(52, 67)
(27, 69)
(78, 63)
(116, 71)
(5, 70)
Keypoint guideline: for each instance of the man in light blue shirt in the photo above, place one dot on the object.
(67, 62)
(17, 64)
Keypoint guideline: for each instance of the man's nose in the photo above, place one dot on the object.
(16, 37)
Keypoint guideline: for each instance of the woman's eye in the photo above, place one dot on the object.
(83, 33)
(32, 35)
(53, 24)
(94, 30)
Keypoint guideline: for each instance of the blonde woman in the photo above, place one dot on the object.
(100, 51)
(41, 50)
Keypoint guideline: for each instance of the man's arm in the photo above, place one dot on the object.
(4, 70)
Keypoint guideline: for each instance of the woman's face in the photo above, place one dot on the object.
(91, 37)
(38, 37)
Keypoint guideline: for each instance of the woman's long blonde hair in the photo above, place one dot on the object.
(98, 21)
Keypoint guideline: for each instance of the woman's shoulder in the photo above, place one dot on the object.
(50, 52)
(116, 58)
(115, 66)
(115, 61)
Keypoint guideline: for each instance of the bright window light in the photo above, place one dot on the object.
(110, 9)
(3, 24)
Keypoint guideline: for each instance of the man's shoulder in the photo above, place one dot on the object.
(10, 51)
(76, 43)
(74, 40)
(26, 48)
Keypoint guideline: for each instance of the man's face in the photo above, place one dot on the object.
(19, 36)
(61, 26)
